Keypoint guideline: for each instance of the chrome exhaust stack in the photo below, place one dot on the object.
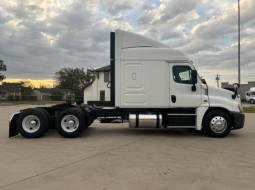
(145, 120)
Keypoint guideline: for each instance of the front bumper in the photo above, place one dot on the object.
(239, 119)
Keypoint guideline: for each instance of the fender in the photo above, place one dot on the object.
(13, 131)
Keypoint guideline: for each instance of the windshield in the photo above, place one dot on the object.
(252, 93)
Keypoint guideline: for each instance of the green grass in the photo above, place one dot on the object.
(32, 102)
(248, 110)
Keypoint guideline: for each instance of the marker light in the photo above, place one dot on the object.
(240, 108)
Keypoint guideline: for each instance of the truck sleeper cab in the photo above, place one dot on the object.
(152, 86)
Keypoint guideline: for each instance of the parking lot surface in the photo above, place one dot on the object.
(112, 156)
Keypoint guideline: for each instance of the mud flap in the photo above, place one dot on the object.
(12, 125)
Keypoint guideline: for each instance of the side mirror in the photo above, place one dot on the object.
(236, 86)
(194, 76)
(194, 79)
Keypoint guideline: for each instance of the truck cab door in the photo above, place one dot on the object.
(181, 94)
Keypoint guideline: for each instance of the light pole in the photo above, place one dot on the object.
(217, 79)
(239, 77)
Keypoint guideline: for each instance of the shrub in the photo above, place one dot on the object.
(17, 98)
(10, 98)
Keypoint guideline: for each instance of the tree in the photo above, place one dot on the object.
(56, 94)
(74, 78)
(3, 67)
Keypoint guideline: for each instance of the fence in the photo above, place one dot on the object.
(20, 98)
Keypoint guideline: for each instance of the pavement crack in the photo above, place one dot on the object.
(72, 163)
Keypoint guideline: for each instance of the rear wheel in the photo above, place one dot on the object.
(252, 101)
(32, 123)
(70, 123)
(49, 119)
(217, 124)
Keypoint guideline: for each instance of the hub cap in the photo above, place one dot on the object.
(70, 123)
(218, 124)
(31, 123)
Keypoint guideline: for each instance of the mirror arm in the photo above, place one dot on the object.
(234, 96)
(193, 88)
(236, 88)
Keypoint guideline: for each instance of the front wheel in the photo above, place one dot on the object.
(217, 124)
(70, 123)
(252, 101)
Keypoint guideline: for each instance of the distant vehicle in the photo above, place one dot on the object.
(152, 86)
(250, 95)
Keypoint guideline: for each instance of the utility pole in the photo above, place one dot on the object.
(217, 79)
(239, 57)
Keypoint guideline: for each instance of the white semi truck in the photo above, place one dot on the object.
(152, 86)
(250, 95)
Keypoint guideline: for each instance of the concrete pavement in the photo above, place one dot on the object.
(112, 156)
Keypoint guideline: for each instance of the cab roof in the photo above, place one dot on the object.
(131, 46)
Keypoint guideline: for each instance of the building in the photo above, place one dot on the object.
(46, 94)
(7, 90)
(98, 90)
(243, 87)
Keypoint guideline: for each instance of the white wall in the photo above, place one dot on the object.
(92, 92)
(88, 94)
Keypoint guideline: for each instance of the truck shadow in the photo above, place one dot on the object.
(127, 132)
(121, 132)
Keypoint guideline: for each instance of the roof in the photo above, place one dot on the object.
(87, 85)
(49, 90)
(9, 88)
(105, 68)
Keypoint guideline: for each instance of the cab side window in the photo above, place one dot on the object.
(182, 74)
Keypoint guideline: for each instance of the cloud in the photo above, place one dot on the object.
(40, 37)
(115, 7)
(225, 24)
(169, 35)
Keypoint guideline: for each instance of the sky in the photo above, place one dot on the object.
(39, 37)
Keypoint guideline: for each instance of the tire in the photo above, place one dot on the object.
(32, 130)
(210, 126)
(252, 101)
(49, 119)
(76, 126)
(85, 116)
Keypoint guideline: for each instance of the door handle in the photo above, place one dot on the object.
(173, 98)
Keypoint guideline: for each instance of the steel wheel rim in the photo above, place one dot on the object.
(70, 123)
(218, 124)
(31, 123)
